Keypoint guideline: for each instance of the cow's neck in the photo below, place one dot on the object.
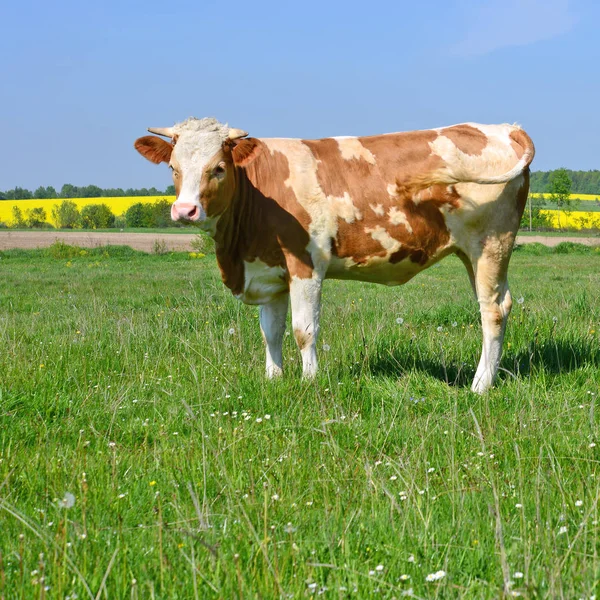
(237, 232)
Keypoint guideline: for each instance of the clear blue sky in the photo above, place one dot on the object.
(81, 81)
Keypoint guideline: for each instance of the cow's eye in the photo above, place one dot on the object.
(219, 170)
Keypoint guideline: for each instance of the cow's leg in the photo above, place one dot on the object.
(495, 303)
(306, 305)
(272, 326)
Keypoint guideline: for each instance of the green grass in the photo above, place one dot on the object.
(193, 476)
(178, 229)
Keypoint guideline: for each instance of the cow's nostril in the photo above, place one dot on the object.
(193, 212)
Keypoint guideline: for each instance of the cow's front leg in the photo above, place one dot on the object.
(272, 326)
(306, 305)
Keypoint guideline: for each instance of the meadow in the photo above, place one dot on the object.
(144, 455)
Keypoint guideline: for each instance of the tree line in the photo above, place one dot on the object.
(583, 182)
(86, 191)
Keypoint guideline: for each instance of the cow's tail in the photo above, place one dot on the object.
(459, 174)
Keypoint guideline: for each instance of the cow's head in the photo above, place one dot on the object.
(200, 157)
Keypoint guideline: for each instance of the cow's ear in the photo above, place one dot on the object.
(245, 150)
(153, 148)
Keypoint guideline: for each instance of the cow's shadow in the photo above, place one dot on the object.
(553, 356)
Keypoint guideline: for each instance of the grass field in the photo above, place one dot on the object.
(144, 455)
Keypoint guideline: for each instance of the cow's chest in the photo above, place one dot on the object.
(262, 283)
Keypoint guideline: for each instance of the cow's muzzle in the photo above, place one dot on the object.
(187, 211)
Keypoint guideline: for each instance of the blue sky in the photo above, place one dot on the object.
(81, 81)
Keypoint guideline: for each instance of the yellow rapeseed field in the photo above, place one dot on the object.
(118, 205)
(577, 219)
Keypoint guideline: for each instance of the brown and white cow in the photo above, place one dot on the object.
(286, 214)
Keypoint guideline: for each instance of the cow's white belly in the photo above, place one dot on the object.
(378, 270)
(262, 283)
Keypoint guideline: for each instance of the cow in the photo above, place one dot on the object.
(286, 214)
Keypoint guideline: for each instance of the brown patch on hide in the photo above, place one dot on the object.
(466, 138)
(399, 157)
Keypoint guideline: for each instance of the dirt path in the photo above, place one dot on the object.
(177, 241)
(140, 241)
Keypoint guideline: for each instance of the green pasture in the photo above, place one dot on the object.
(144, 455)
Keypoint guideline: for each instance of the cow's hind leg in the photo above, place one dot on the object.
(272, 326)
(491, 287)
(306, 306)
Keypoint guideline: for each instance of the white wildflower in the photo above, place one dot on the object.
(231, 331)
(68, 501)
(399, 320)
(579, 503)
(518, 575)
(435, 576)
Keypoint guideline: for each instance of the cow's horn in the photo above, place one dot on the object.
(166, 131)
(234, 134)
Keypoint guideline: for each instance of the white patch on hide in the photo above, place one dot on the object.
(398, 217)
(380, 234)
(344, 208)
(377, 209)
(351, 147)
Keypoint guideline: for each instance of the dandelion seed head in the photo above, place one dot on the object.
(67, 501)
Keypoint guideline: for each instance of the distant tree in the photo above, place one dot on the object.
(97, 216)
(533, 218)
(18, 222)
(68, 191)
(560, 191)
(170, 191)
(160, 214)
(40, 193)
(138, 215)
(91, 191)
(66, 215)
(36, 217)
(18, 193)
